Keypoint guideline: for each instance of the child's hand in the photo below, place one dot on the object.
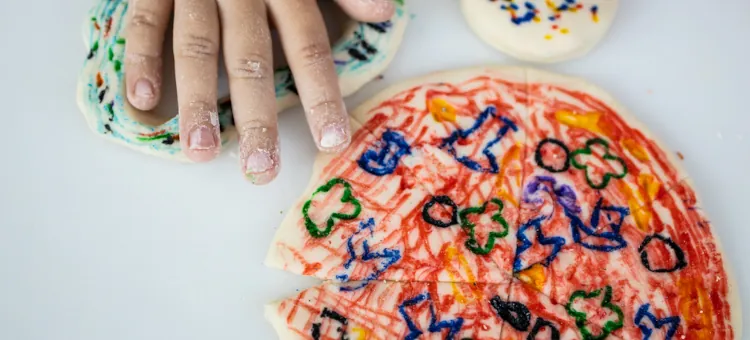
(245, 36)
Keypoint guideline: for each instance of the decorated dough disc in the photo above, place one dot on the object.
(502, 174)
(363, 52)
(540, 30)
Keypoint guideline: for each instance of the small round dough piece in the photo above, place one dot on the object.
(543, 31)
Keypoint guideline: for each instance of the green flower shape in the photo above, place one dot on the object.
(313, 228)
(467, 226)
(581, 317)
(607, 157)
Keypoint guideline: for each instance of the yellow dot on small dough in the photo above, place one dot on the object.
(564, 31)
(548, 37)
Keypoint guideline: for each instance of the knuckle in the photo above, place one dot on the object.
(196, 46)
(255, 124)
(253, 66)
(145, 18)
(316, 53)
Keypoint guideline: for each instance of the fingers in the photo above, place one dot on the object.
(368, 10)
(147, 25)
(305, 43)
(248, 58)
(196, 48)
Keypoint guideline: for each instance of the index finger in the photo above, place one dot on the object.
(305, 43)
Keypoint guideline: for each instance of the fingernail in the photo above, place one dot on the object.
(258, 162)
(333, 136)
(202, 138)
(144, 89)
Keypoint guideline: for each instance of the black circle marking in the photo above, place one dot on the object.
(514, 313)
(678, 253)
(442, 200)
(540, 161)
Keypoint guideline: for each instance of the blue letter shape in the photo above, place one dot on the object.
(388, 256)
(613, 236)
(672, 321)
(386, 159)
(453, 326)
(486, 116)
(524, 244)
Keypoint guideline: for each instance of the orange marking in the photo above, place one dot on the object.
(441, 110)
(588, 121)
(99, 80)
(695, 307)
(533, 276)
(635, 149)
(311, 268)
(513, 153)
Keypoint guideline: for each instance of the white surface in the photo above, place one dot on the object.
(100, 242)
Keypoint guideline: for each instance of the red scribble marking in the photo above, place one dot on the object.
(310, 269)
(152, 134)
(107, 27)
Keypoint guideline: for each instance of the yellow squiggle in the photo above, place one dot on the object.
(450, 253)
(588, 121)
(638, 204)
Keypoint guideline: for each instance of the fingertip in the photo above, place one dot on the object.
(143, 94)
(329, 122)
(202, 144)
(259, 174)
(334, 138)
(259, 152)
(369, 10)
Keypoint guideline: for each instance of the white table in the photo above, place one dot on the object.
(99, 242)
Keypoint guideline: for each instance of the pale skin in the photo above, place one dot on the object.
(241, 28)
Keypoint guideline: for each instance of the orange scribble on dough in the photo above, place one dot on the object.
(635, 149)
(533, 276)
(441, 110)
(695, 307)
(588, 121)
(311, 268)
(513, 153)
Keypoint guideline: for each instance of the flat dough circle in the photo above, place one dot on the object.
(611, 207)
(540, 30)
(364, 52)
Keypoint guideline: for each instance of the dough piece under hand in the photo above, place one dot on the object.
(363, 53)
